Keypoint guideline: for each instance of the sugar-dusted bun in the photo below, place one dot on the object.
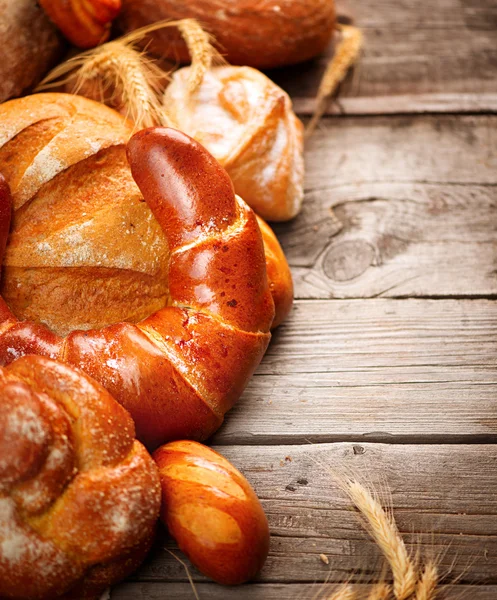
(212, 512)
(30, 46)
(259, 34)
(246, 121)
(79, 496)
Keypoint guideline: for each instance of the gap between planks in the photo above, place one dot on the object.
(272, 591)
(396, 371)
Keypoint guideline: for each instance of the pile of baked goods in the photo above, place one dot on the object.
(138, 291)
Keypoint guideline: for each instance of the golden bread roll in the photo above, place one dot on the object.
(79, 496)
(165, 301)
(245, 121)
(259, 34)
(212, 512)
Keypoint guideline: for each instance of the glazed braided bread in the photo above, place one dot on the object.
(167, 303)
(79, 496)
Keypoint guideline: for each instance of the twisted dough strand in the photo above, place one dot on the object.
(179, 370)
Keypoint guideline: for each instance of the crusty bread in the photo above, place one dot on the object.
(177, 368)
(246, 121)
(30, 45)
(79, 219)
(265, 34)
(79, 496)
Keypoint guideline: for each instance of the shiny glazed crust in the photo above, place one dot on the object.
(212, 512)
(85, 23)
(245, 121)
(79, 496)
(264, 34)
(180, 369)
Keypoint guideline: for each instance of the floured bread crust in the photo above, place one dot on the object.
(84, 250)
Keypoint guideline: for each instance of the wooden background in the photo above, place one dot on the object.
(388, 362)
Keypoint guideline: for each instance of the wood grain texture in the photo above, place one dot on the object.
(397, 207)
(273, 591)
(380, 370)
(445, 501)
(418, 57)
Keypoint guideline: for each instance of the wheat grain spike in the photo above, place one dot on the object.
(384, 531)
(426, 588)
(346, 55)
(345, 592)
(380, 591)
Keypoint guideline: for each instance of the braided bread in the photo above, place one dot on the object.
(167, 303)
(79, 496)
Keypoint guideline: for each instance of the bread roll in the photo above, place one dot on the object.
(79, 496)
(212, 512)
(30, 46)
(246, 121)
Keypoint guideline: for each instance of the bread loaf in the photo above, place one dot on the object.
(265, 34)
(212, 512)
(30, 46)
(79, 496)
(165, 302)
(247, 122)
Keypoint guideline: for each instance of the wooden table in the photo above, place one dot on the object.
(387, 365)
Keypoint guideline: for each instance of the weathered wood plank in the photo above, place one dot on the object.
(397, 207)
(380, 370)
(272, 591)
(445, 501)
(419, 57)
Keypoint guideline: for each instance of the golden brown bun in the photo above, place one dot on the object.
(178, 367)
(246, 121)
(79, 496)
(30, 46)
(265, 34)
(212, 512)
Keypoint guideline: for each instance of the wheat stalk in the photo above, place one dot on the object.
(346, 55)
(119, 74)
(384, 531)
(188, 574)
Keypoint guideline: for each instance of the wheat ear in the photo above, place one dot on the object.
(380, 591)
(384, 531)
(119, 74)
(428, 581)
(345, 592)
(346, 55)
(202, 52)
